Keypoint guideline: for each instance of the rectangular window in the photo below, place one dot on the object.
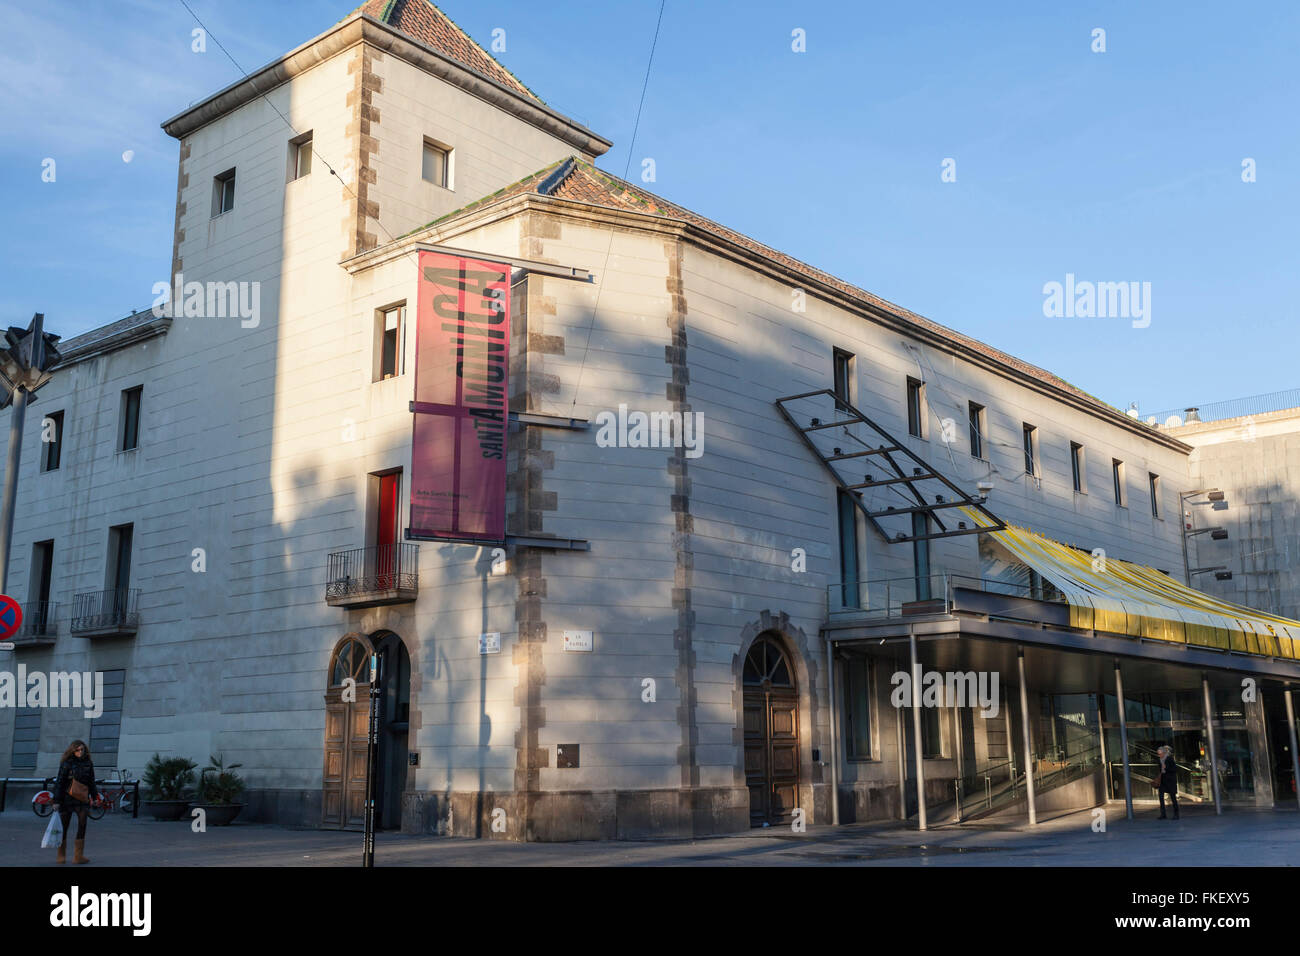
(857, 707)
(51, 441)
(390, 342)
(118, 578)
(299, 156)
(223, 192)
(931, 733)
(915, 408)
(1031, 448)
(27, 738)
(37, 612)
(1077, 470)
(1153, 482)
(843, 377)
(436, 167)
(921, 555)
(1117, 478)
(848, 522)
(130, 435)
(976, 414)
(106, 729)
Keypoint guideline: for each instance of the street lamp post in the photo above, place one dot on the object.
(24, 367)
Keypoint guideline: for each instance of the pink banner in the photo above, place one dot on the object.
(462, 356)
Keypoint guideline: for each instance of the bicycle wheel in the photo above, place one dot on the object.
(97, 809)
(124, 801)
(42, 808)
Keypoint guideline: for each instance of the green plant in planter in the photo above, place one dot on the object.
(166, 778)
(224, 786)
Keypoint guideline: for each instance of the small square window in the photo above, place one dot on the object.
(223, 193)
(436, 167)
(299, 156)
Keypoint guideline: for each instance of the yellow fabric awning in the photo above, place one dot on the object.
(1121, 597)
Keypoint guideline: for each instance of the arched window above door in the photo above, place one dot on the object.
(767, 662)
(351, 659)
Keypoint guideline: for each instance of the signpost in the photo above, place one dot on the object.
(372, 742)
(24, 367)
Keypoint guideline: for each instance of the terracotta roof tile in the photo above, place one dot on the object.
(425, 23)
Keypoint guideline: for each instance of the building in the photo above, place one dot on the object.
(679, 637)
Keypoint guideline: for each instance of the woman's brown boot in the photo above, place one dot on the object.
(78, 856)
(63, 850)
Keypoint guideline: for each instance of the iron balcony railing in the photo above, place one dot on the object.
(40, 619)
(364, 572)
(113, 609)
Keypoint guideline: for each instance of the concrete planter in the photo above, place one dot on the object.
(165, 809)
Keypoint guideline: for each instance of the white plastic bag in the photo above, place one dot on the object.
(53, 833)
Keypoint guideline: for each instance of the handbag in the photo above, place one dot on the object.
(77, 791)
(53, 833)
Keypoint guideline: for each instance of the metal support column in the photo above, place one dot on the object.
(1208, 704)
(916, 730)
(10, 493)
(1123, 742)
(1295, 755)
(835, 755)
(902, 758)
(1101, 743)
(1024, 720)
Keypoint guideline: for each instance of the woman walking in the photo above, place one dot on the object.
(1168, 782)
(73, 791)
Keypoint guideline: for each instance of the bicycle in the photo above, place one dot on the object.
(120, 797)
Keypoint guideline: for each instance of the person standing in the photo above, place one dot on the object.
(73, 791)
(1168, 780)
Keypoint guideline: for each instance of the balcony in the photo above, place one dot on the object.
(40, 625)
(111, 613)
(371, 577)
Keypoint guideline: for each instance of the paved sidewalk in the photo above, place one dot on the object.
(1240, 837)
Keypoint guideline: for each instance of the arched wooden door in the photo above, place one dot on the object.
(347, 726)
(771, 705)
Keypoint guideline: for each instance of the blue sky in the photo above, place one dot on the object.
(1117, 166)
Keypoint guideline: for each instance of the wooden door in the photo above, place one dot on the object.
(386, 533)
(771, 732)
(347, 717)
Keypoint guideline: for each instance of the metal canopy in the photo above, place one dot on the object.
(878, 454)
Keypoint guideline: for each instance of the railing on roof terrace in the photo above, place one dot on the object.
(1233, 408)
(882, 599)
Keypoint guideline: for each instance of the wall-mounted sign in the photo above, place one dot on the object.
(11, 617)
(462, 357)
(489, 643)
(578, 640)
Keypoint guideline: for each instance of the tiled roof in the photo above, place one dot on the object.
(116, 333)
(580, 181)
(425, 23)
